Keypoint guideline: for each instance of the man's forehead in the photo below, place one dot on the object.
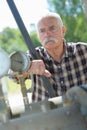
(47, 22)
(48, 18)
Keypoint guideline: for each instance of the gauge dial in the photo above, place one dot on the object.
(4, 63)
(20, 62)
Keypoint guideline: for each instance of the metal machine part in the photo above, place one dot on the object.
(19, 62)
(46, 115)
(4, 63)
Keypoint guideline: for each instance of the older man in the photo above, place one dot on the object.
(64, 64)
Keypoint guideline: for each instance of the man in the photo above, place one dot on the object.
(64, 64)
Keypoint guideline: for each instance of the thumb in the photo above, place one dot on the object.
(47, 73)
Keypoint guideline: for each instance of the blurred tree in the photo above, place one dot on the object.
(73, 17)
(12, 40)
(34, 38)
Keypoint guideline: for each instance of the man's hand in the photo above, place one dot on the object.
(38, 67)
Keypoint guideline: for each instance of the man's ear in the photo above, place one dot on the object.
(63, 30)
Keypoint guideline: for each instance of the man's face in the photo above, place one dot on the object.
(50, 32)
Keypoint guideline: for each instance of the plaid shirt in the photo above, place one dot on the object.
(71, 71)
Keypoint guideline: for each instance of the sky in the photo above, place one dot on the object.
(29, 10)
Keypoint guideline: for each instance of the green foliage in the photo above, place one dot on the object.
(12, 40)
(34, 38)
(65, 7)
(73, 17)
(14, 87)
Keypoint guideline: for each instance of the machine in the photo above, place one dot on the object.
(66, 112)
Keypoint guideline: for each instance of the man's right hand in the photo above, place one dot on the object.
(38, 67)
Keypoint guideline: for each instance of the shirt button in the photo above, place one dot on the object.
(61, 82)
(59, 67)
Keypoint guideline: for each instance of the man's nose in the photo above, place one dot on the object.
(48, 33)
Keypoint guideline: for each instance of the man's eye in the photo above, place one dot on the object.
(53, 29)
(42, 30)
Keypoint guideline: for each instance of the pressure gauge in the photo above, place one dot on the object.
(4, 63)
(20, 62)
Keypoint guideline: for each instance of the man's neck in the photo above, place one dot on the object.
(57, 52)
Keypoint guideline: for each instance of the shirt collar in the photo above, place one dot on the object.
(69, 49)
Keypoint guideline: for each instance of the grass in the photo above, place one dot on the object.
(14, 87)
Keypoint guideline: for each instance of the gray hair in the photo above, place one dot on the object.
(50, 14)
